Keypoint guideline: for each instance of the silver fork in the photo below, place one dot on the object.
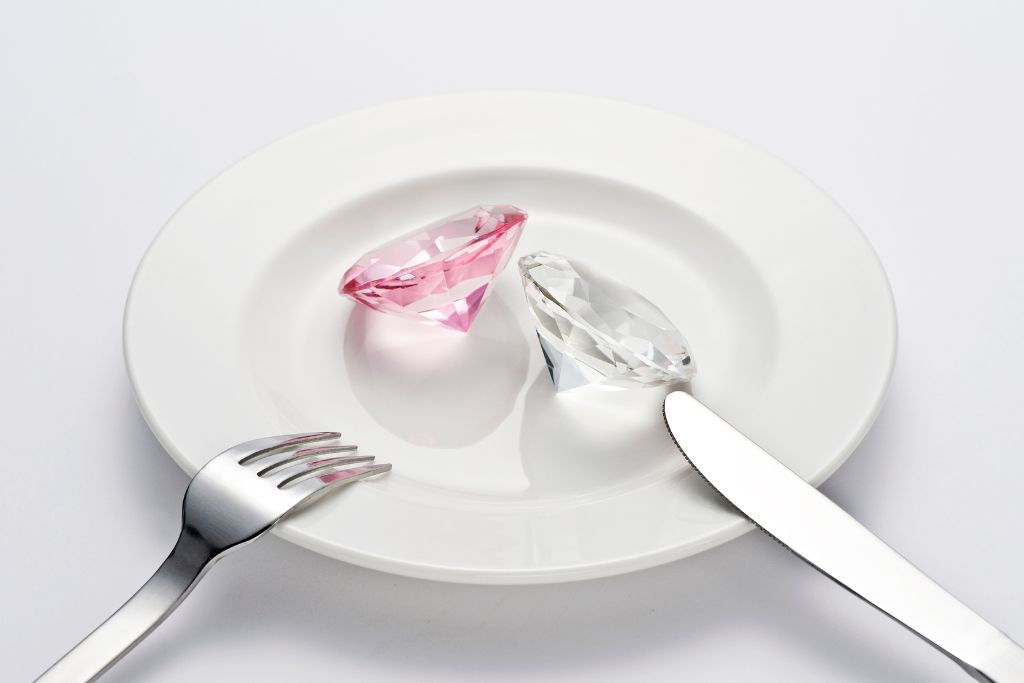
(236, 498)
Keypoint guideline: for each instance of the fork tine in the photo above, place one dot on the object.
(289, 469)
(280, 461)
(315, 485)
(256, 449)
(315, 469)
(327, 473)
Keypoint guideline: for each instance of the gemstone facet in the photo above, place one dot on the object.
(439, 273)
(596, 332)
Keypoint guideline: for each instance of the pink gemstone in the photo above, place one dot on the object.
(439, 273)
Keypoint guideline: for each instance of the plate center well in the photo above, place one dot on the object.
(474, 414)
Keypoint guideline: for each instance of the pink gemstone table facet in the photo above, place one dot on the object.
(439, 273)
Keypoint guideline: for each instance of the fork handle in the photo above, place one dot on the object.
(137, 618)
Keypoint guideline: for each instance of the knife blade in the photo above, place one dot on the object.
(822, 534)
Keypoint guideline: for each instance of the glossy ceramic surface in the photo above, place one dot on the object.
(234, 328)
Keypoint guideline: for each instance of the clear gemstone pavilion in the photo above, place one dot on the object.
(596, 332)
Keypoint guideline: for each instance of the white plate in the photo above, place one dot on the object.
(233, 329)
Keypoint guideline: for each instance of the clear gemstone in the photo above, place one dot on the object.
(439, 273)
(596, 332)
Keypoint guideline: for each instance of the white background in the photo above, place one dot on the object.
(111, 114)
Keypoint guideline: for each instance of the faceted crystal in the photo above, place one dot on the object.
(594, 331)
(439, 273)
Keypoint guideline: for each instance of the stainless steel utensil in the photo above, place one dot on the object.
(822, 534)
(236, 498)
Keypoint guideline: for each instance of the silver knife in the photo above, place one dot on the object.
(821, 533)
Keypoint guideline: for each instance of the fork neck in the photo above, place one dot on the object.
(191, 557)
(144, 611)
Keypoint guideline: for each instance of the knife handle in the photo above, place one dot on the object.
(1003, 662)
